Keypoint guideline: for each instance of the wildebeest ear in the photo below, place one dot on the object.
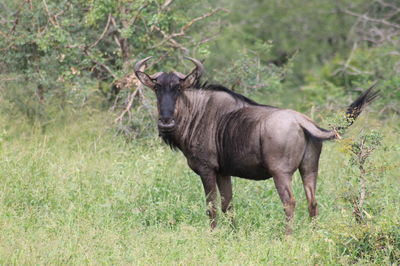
(145, 79)
(190, 80)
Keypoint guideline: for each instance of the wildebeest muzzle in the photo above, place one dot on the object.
(166, 124)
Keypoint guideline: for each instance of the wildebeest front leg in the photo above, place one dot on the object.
(283, 183)
(210, 189)
(225, 189)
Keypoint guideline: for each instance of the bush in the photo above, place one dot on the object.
(343, 78)
(370, 244)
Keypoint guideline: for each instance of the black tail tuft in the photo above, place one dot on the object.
(355, 109)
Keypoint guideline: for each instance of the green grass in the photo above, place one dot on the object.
(79, 194)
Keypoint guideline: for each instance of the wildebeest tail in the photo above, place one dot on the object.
(353, 111)
(312, 129)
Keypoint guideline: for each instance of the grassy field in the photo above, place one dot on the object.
(80, 194)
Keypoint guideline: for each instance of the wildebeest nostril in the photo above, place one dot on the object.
(167, 120)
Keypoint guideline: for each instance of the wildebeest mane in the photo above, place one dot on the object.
(218, 87)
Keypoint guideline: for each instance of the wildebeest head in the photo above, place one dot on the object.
(167, 87)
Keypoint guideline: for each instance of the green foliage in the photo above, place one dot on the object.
(379, 63)
(315, 29)
(370, 244)
(248, 74)
(363, 67)
(59, 46)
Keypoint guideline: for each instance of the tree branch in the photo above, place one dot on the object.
(52, 19)
(190, 23)
(103, 33)
(128, 107)
(169, 38)
(166, 4)
(367, 18)
(85, 51)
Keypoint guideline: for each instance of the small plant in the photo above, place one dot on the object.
(361, 150)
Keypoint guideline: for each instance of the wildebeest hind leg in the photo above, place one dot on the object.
(283, 183)
(309, 183)
(225, 189)
(309, 172)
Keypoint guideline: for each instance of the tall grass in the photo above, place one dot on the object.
(80, 194)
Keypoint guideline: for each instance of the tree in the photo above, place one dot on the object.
(63, 47)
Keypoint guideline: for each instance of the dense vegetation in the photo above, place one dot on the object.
(84, 178)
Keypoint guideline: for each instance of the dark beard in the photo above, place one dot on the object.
(169, 139)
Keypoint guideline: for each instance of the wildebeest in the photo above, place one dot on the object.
(223, 134)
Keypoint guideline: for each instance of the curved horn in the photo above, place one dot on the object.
(155, 75)
(179, 74)
(199, 66)
(139, 64)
